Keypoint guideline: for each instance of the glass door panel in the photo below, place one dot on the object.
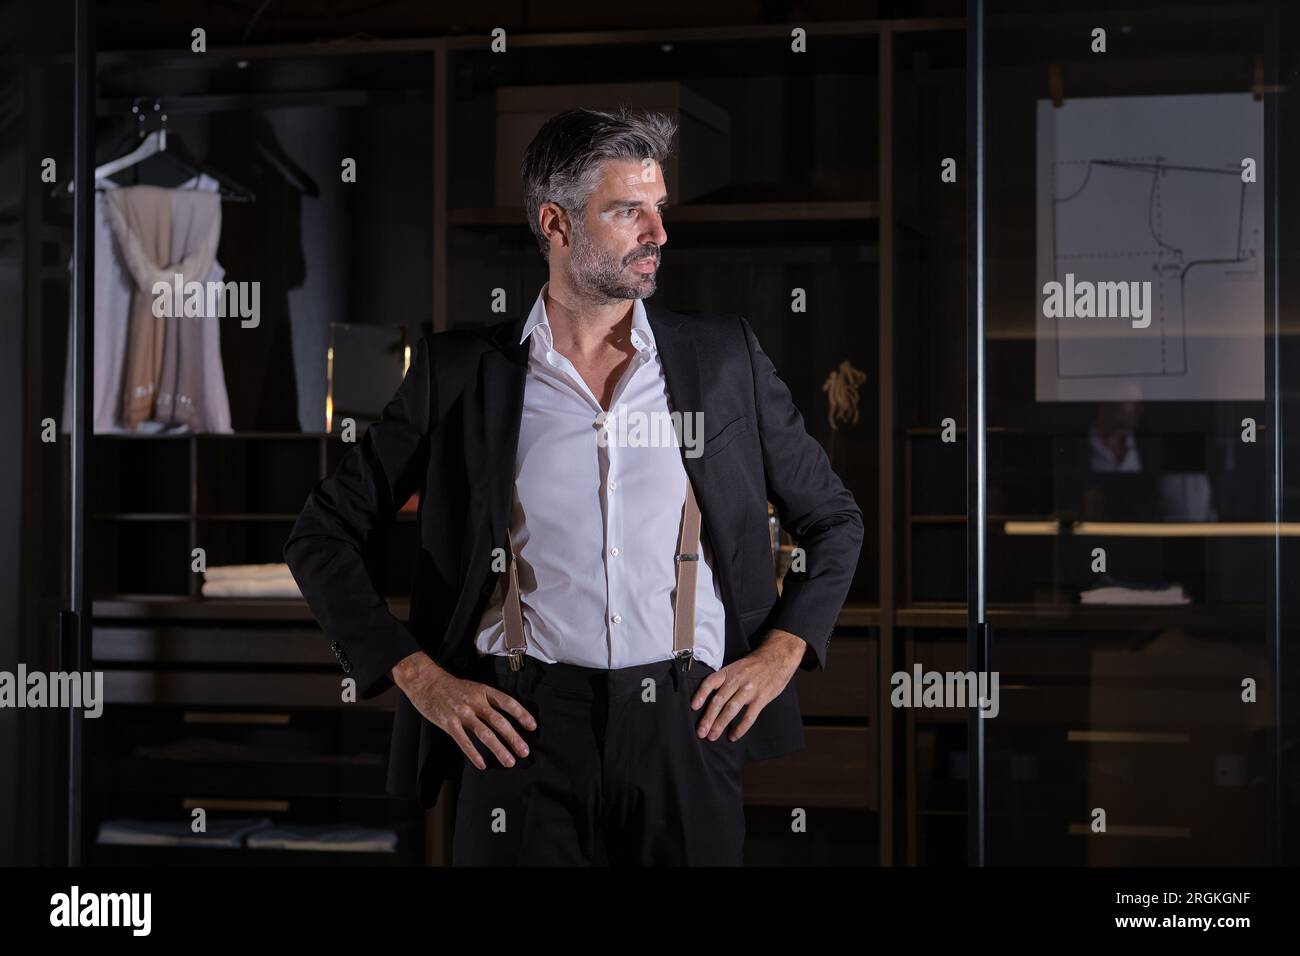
(1131, 434)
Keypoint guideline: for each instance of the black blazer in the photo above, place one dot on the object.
(452, 430)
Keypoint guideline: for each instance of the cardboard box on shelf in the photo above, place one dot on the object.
(701, 158)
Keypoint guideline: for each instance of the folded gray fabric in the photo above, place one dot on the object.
(329, 836)
(220, 832)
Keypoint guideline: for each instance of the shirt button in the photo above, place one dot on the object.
(614, 552)
(613, 485)
(617, 619)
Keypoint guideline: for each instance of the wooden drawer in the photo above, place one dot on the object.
(234, 688)
(843, 689)
(184, 644)
(838, 769)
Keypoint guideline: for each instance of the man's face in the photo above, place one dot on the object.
(617, 243)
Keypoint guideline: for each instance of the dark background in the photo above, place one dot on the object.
(830, 184)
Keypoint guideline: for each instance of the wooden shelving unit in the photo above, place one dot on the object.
(850, 235)
(203, 692)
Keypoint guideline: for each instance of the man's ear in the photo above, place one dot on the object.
(557, 219)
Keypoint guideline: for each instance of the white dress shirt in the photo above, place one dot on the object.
(1101, 458)
(595, 528)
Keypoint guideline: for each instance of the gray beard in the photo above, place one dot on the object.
(600, 277)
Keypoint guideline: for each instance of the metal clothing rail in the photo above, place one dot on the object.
(977, 636)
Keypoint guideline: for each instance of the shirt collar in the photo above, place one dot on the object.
(643, 337)
(1103, 459)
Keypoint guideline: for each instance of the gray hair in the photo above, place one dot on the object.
(562, 163)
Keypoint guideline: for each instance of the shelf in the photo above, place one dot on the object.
(218, 516)
(210, 436)
(142, 516)
(961, 519)
(274, 516)
(265, 688)
(133, 607)
(775, 212)
(1091, 617)
(1053, 431)
(321, 779)
(1050, 526)
(858, 615)
(849, 28)
(380, 47)
(127, 855)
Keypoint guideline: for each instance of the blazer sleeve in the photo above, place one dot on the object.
(326, 548)
(815, 507)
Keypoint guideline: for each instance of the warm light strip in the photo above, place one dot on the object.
(329, 389)
(1189, 529)
(1032, 527)
(1160, 528)
(1156, 529)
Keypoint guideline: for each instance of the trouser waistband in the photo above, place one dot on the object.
(590, 681)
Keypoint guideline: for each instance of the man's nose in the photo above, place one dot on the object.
(656, 236)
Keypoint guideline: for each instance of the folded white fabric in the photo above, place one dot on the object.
(225, 572)
(250, 580)
(267, 587)
(1136, 597)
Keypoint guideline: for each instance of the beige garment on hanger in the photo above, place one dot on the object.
(141, 219)
(196, 221)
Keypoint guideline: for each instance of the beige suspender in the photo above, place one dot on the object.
(686, 562)
(513, 617)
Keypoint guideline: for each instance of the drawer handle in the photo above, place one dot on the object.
(227, 803)
(1126, 737)
(218, 717)
(1133, 830)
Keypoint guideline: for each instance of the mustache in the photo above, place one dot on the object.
(652, 253)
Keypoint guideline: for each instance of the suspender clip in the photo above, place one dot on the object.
(686, 656)
(688, 557)
(516, 656)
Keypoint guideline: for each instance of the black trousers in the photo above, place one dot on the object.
(615, 774)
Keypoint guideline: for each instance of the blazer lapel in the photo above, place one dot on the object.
(681, 365)
(502, 390)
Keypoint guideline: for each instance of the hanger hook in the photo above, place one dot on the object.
(138, 108)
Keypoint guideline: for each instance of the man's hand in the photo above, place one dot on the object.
(752, 683)
(461, 707)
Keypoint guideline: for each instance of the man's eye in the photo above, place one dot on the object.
(629, 213)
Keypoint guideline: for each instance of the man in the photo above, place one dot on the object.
(593, 684)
